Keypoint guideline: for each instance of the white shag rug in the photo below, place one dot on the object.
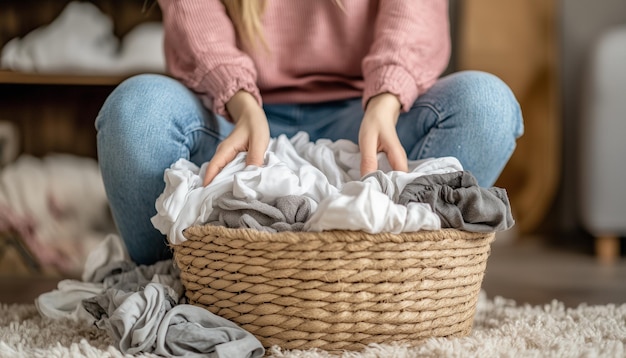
(502, 328)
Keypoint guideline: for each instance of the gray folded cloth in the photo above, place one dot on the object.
(460, 202)
(287, 213)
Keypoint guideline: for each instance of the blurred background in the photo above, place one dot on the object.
(564, 60)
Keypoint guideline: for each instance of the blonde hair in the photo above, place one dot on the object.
(246, 17)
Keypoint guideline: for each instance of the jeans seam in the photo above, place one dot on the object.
(188, 135)
(427, 140)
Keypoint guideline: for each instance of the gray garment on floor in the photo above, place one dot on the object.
(111, 269)
(141, 275)
(187, 328)
(460, 202)
(121, 278)
(139, 311)
(288, 213)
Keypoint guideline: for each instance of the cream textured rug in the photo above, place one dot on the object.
(502, 328)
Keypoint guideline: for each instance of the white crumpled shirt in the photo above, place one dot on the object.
(327, 173)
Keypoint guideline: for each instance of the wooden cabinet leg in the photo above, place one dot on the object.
(607, 248)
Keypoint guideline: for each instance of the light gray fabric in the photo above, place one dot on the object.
(125, 276)
(460, 202)
(139, 310)
(139, 276)
(191, 331)
(134, 317)
(111, 269)
(288, 213)
(387, 186)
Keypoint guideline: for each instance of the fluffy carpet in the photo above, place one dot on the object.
(502, 328)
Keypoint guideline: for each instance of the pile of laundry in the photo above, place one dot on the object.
(142, 309)
(81, 41)
(316, 186)
(303, 185)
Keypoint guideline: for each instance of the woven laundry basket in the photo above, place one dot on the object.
(336, 290)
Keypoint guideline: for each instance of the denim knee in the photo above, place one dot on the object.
(486, 98)
(473, 116)
(138, 98)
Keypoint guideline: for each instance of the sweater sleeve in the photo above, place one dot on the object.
(201, 51)
(411, 49)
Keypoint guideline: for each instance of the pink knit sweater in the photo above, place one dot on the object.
(317, 51)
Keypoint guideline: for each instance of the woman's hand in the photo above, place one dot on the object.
(251, 133)
(378, 134)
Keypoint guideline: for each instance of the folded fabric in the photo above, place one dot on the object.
(81, 40)
(141, 50)
(460, 202)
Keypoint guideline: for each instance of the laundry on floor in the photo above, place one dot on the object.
(142, 308)
(302, 186)
(316, 186)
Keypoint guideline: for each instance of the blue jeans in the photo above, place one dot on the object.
(150, 121)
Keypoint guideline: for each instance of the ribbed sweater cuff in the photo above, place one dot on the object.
(224, 81)
(393, 79)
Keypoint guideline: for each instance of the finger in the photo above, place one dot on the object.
(369, 161)
(256, 152)
(397, 158)
(218, 162)
(211, 172)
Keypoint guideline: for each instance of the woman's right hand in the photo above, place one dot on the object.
(251, 133)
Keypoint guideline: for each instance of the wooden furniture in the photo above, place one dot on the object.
(517, 41)
(56, 113)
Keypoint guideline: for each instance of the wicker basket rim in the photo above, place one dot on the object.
(196, 233)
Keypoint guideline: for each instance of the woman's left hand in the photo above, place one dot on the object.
(378, 134)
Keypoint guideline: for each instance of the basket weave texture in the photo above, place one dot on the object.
(336, 290)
